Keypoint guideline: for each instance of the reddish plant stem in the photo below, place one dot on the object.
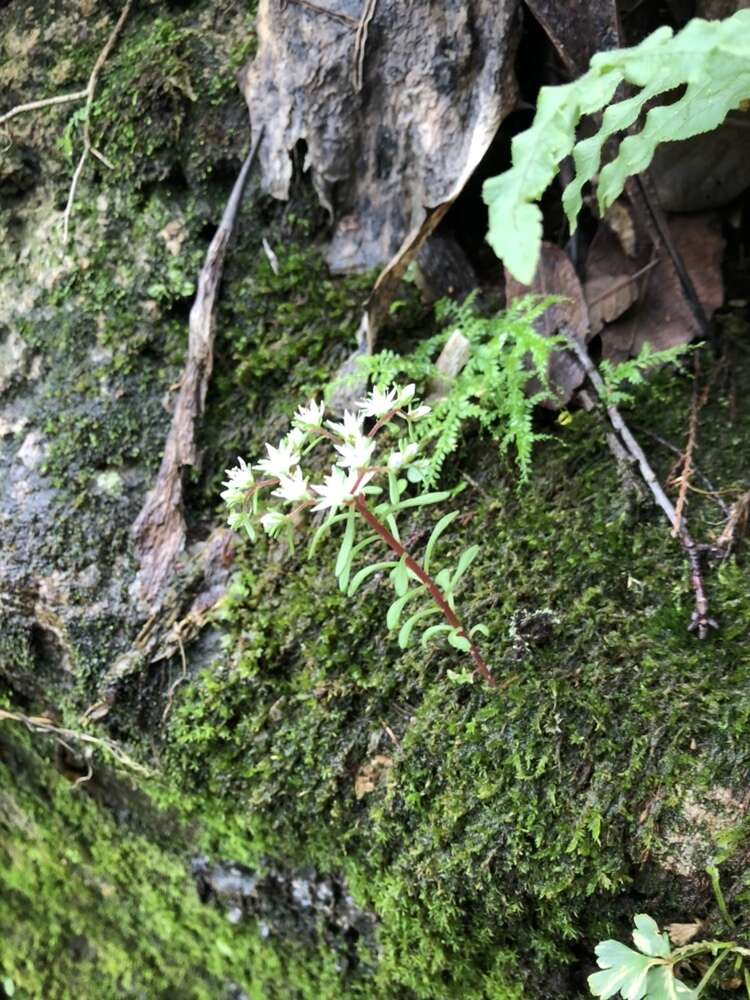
(434, 591)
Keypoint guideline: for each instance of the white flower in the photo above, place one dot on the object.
(272, 522)
(310, 416)
(357, 454)
(398, 459)
(296, 439)
(339, 488)
(240, 479)
(280, 460)
(378, 403)
(293, 488)
(350, 429)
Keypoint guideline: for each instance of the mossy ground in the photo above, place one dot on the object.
(513, 829)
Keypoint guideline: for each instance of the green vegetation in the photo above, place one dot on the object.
(712, 58)
(494, 836)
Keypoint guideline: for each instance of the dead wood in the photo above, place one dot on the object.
(159, 530)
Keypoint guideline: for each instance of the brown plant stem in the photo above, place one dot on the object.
(433, 589)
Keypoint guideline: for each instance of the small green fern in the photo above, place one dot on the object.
(712, 58)
(507, 353)
(632, 372)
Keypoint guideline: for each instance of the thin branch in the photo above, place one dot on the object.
(45, 102)
(700, 621)
(41, 724)
(711, 489)
(89, 94)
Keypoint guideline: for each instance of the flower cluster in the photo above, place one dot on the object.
(280, 474)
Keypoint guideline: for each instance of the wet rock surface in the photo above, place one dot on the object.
(303, 905)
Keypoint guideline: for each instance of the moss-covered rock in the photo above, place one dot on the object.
(332, 817)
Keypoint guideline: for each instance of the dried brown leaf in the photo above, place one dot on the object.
(662, 317)
(371, 774)
(682, 934)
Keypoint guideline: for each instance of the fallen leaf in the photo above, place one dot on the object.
(682, 934)
(371, 774)
(662, 317)
(383, 156)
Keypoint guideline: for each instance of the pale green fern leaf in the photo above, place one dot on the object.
(710, 58)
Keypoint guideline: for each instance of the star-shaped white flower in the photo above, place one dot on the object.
(238, 482)
(351, 427)
(377, 403)
(357, 453)
(310, 416)
(339, 488)
(280, 461)
(418, 412)
(293, 488)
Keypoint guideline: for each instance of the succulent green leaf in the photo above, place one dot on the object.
(467, 558)
(359, 577)
(400, 579)
(459, 641)
(424, 498)
(407, 628)
(437, 531)
(479, 630)
(434, 630)
(324, 529)
(344, 559)
(394, 612)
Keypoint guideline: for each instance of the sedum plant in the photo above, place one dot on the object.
(363, 496)
(710, 59)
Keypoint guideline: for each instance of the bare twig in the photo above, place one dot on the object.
(45, 102)
(159, 530)
(88, 147)
(700, 621)
(41, 724)
(360, 43)
(711, 489)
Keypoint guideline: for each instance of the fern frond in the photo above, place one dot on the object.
(712, 58)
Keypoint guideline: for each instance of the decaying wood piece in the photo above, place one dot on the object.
(389, 152)
(700, 621)
(159, 530)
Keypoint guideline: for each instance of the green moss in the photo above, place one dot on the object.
(75, 859)
(514, 824)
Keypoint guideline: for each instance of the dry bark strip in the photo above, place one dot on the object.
(159, 530)
(700, 620)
